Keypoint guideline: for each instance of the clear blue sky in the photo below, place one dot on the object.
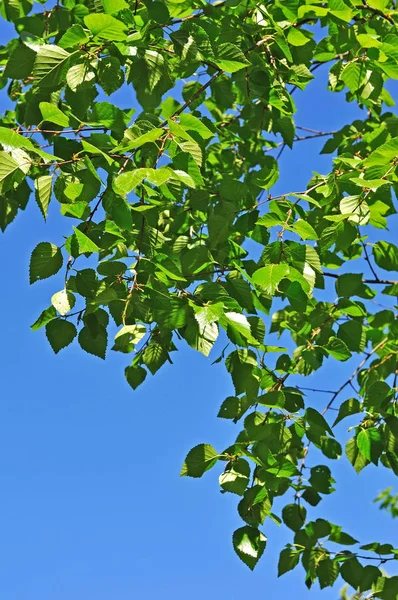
(92, 505)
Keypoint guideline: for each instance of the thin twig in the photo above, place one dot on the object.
(373, 281)
(60, 131)
(367, 258)
(193, 97)
(354, 374)
(94, 210)
(316, 390)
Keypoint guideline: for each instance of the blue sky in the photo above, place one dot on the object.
(92, 505)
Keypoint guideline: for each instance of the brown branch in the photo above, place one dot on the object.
(94, 210)
(315, 390)
(367, 258)
(309, 129)
(354, 374)
(60, 131)
(354, 555)
(376, 12)
(280, 196)
(300, 139)
(372, 281)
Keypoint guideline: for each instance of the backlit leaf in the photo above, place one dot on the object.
(249, 544)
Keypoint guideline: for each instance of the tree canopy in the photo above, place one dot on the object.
(173, 233)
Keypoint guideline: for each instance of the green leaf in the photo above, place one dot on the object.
(158, 12)
(353, 335)
(53, 114)
(372, 184)
(50, 65)
(73, 37)
(364, 443)
(239, 324)
(110, 74)
(296, 37)
(349, 407)
(206, 315)
(315, 419)
(340, 10)
(268, 277)
(235, 477)
(63, 301)
(20, 63)
(191, 123)
(43, 189)
(384, 154)
(114, 6)
(356, 209)
(305, 230)
(340, 537)
(330, 447)
(150, 136)
(186, 142)
(351, 571)
(106, 27)
(9, 170)
(294, 515)
(268, 175)
(288, 559)
(249, 544)
(126, 182)
(86, 282)
(377, 393)
(77, 75)
(356, 458)
(169, 267)
(321, 479)
(94, 344)
(338, 349)
(349, 284)
(199, 460)
(233, 407)
(386, 255)
(353, 75)
(154, 356)
(46, 260)
(327, 571)
(201, 338)
(60, 333)
(230, 58)
(84, 242)
(46, 316)
(135, 375)
(127, 337)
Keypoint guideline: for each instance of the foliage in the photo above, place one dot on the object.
(176, 235)
(388, 502)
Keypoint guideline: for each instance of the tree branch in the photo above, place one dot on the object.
(58, 131)
(376, 11)
(372, 281)
(367, 258)
(354, 374)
